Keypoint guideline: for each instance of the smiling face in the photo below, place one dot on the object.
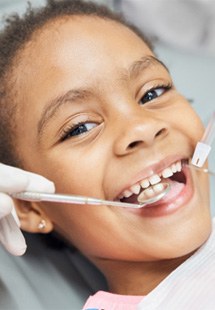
(99, 114)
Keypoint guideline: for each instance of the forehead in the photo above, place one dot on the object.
(82, 27)
(72, 51)
(77, 40)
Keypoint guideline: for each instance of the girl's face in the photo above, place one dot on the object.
(99, 115)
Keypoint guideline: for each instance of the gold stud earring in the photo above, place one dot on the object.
(42, 224)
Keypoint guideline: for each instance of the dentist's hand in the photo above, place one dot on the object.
(14, 180)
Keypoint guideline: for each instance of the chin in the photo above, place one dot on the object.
(189, 239)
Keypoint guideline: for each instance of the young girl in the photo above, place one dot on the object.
(86, 103)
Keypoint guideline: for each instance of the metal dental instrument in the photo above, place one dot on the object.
(73, 199)
(203, 147)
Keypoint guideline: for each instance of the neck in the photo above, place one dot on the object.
(137, 278)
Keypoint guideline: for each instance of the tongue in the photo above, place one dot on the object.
(176, 188)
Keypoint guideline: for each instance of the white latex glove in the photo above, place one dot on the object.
(14, 180)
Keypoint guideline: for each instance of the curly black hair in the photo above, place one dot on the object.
(18, 31)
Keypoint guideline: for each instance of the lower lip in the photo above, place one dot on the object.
(171, 203)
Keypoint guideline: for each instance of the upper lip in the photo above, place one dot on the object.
(148, 171)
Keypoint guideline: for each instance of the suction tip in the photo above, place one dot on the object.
(201, 153)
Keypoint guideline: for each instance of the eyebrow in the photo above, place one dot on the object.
(54, 104)
(79, 94)
(144, 63)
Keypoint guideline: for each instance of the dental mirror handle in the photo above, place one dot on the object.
(73, 199)
(62, 198)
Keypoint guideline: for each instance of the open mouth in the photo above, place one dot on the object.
(149, 187)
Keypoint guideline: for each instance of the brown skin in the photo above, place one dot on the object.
(124, 137)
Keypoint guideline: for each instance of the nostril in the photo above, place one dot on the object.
(160, 132)
(134, 144)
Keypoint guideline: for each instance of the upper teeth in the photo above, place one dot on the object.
(154, 179)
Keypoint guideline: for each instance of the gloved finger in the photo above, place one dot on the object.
(12, 179)
(16, 180)
(6, 205)
(16, 218)
(39, 183)
(11, 236)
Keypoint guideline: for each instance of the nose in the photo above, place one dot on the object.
(139, 132)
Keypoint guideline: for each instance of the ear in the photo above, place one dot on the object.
(32, 217)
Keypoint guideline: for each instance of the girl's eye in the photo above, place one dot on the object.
(77, 130)
(154, 93)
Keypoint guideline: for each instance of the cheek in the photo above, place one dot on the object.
(71, 222)
(185, 120)
(77, 172)
(191, 121)
(88, 228)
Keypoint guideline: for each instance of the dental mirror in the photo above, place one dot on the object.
(158, 191)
